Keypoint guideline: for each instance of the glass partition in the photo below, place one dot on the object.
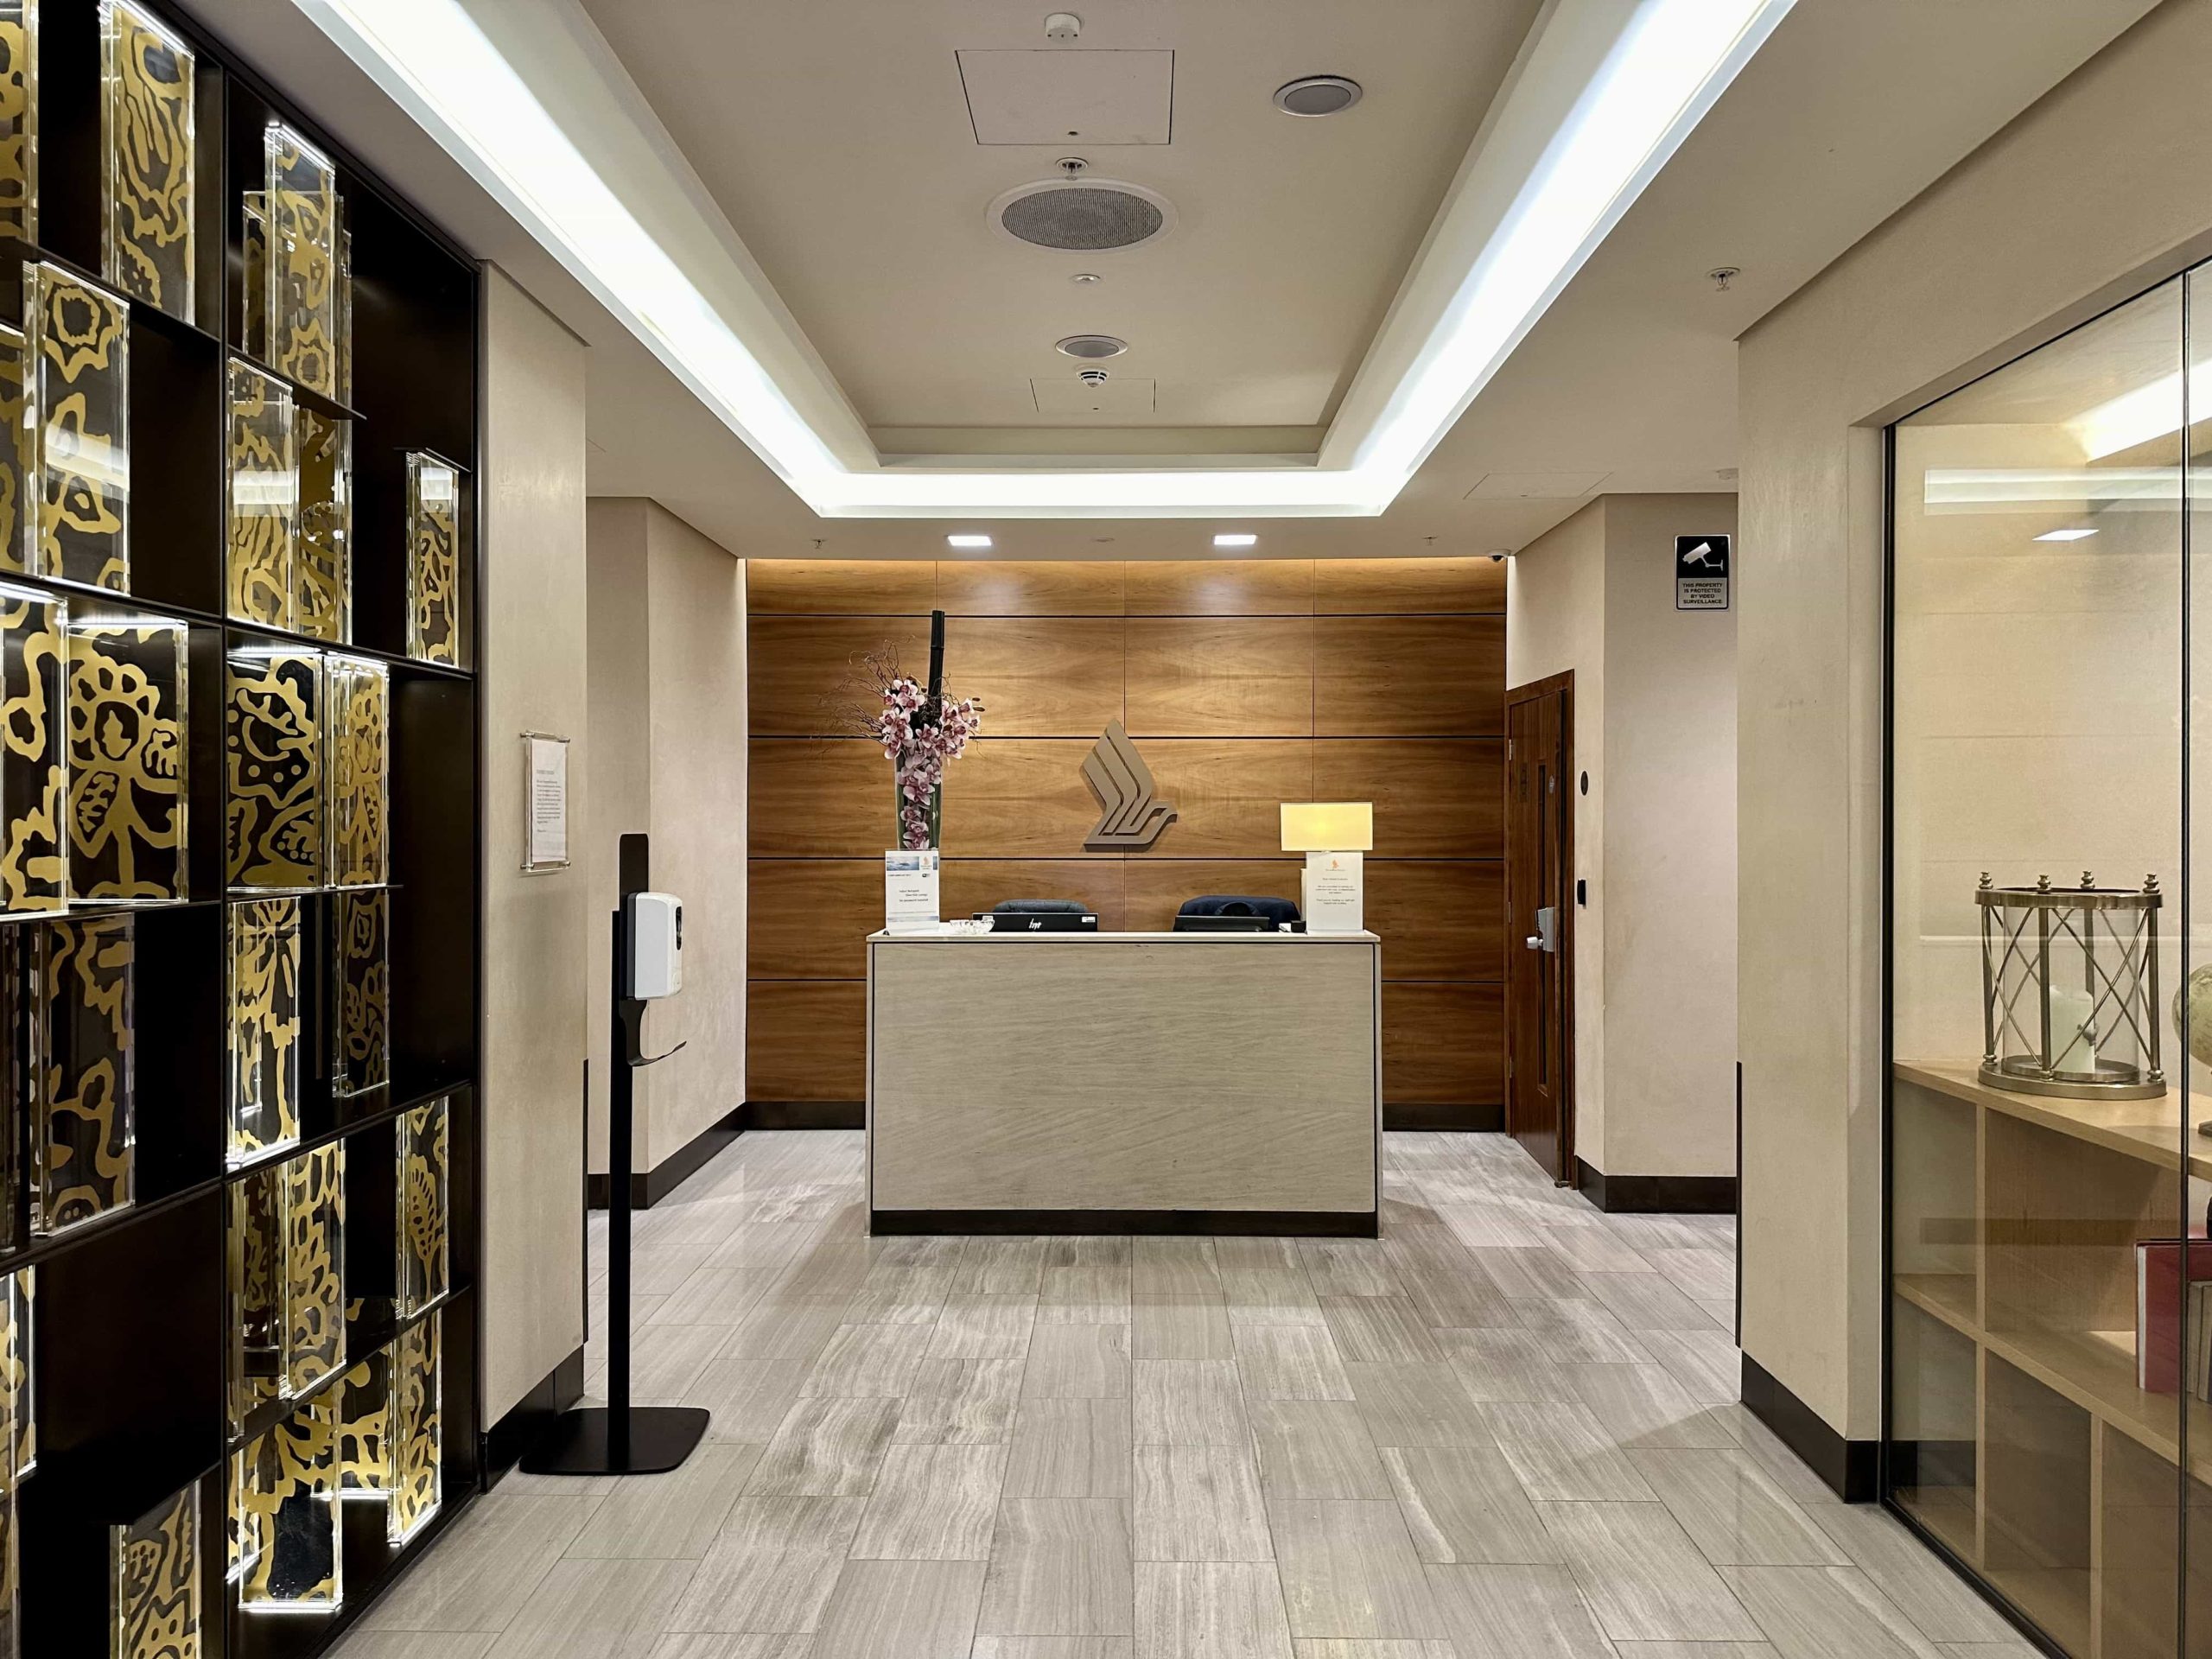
(2049, 1363)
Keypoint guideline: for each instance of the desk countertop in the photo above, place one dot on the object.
(1075, 936)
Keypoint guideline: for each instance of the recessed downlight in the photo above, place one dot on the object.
(1316, 95)
(1236, 538)
(1091, 347)
(967, 542)
(2066, 535)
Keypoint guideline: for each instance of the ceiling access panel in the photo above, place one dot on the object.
(1070, 97)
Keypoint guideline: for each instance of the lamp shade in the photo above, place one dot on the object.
(1328, 826)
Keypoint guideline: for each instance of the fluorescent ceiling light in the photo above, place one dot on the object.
(2066, 535)
(1602, 94)
(966, 541)
(1236, 538)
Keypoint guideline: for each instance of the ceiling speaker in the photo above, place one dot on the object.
(1083, 215)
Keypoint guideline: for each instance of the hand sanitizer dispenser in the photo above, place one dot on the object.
(655, 945)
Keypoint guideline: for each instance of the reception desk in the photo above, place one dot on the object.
(1114, 1082)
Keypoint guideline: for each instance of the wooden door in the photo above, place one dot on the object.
(1539, 922)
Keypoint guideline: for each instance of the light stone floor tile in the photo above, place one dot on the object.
(596, 1610)
(666, 1360)
(1705, 1362)
(902, 1610)
(1055, 1647)
(1331, 1648)
(413, 1644)
(1825, 1612)
(1417, 1404)
(1173, 1266)
(1188, 1402)
(826, 1447)
(675, 1516)
(1529, 1613)
(1643, 1408)
(486, 1567)
(1317, 1449)
(1345, 1267)
(933, 1504)
(1594, 1248)
(1084, 1292)
(1648, 1301)
(723, 1296)
(865, 1360)
(1504, 1364)
(1060, 1566)
(1734, 1512)
(1701, 1273)
(979, 1326)
(1220, 1610)
(1466, 1505)
(1350, 1570)
(1936, 1601)
(1583, 1333)
(1166, 1326)
(1199, 1504)
(1530, 1274)
(1078, 1362)
(1643, 1576)
(1270, 1295)
(787, 1327)
(731, 1647)
(960, 1402)
(1070, 1448)
(1386, 1329)
(746, 1399)
(1290, 1362)
(1561, 1453)
(1694, 1650)
(773, 1568)
(1000, 1266)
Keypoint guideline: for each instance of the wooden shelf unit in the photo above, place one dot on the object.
(2013, 1282)
(132, 1311)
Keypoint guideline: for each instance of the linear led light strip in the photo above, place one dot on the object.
(1669, 62)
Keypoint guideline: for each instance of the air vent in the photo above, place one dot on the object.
(1083, 215)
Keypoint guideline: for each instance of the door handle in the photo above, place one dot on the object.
(1534, 942)
(1546, 938)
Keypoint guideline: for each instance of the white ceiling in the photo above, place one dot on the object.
(1850, 110)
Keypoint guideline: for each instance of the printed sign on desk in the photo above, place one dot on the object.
(910, 892)
(1701, 573)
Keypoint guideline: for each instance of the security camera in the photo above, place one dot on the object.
(1497, 554)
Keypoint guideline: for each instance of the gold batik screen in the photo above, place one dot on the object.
(434, 559)
(274, 755)
(82, 1132)
(11, 1580)
(264, 492)
(264, 1028)
(363, 1455)
(18, 1404)
(361, 1060)
(424, 1175)
(33, 764)
(361, 726)
(284, 1488)
(322, 549)
(155, 1579)
(417, 1433)
(127, 748)
(314, 1266)
(260, 1371)
(18, 542)
(146, 158)
(19, 119)
(301, 261)
(77, 339)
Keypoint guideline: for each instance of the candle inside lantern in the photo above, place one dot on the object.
(2073, 1042)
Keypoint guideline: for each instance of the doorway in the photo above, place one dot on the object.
(1539, 922)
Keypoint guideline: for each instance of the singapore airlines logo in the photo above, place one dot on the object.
(1131, 820)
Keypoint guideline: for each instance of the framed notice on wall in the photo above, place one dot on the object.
(545, 802)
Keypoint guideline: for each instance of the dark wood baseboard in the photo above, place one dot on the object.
(533, 1415)
(1477, 1118)
(650, 1187)
(805, 1115)
(1267, 1223)
(1656, 1195)
(1848, 1466)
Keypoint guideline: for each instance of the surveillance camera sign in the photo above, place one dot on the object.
(1701, 573)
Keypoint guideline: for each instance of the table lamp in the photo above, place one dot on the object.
(1333, 835)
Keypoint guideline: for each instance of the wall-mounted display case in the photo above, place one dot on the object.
(434, 559)
(127, 681)
(147, 158)
(155, 1582)
(77, 375)
(77, 980)
(2049, 1400)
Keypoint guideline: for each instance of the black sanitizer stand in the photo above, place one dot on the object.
(620, 1439)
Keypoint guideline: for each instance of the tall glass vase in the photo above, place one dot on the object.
(898, 817)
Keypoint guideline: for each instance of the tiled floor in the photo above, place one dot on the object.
(1507, 1428)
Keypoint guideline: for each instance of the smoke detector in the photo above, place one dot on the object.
(1317, 95)
(1082, 215)
(1092, 377)
(1093, 347)
(1063, 26)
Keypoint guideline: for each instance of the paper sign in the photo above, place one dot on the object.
(547, 805)
(910, 892)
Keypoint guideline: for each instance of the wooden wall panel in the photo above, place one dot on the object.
(1036, 587)
(850, 587)
(1038, 676)
(1434, 798)
(1228, 793)
(1220, 677)
(820, 798)
(1408, 675)
(1443, 1044)
(1409, 586)
(1438, 919)
(806, 1039)
(1158, 886)
(1017, 797)
(972, 884)
(1218, 586)
(806, 918)
(803, 669)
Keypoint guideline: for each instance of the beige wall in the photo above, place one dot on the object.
(1655, 727)
(668, 718)
(532, 594)
(2092, 193)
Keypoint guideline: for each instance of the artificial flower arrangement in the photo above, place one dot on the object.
(918, 743)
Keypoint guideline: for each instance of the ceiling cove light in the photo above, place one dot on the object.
(2066, 535)
(1236, 538)
(1602, 94)
(967, 542)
